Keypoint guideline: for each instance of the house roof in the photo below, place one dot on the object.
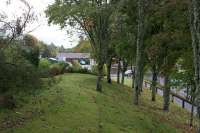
(74, 55)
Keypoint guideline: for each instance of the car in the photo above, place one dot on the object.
(129, 73)
(53, 60)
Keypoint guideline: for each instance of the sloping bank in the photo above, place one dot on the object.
(73, 106)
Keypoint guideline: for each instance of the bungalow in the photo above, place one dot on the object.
(84, 59)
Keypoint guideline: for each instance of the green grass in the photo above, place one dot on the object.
(73, 106)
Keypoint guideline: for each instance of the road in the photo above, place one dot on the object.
(179, 92)
(160, 92)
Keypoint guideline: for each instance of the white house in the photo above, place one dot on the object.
(84, 59)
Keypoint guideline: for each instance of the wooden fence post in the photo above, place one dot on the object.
(183, 104)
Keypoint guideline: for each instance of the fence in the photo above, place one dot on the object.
(147, 84)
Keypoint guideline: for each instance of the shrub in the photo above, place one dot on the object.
(17, 74)
(44, 64)
(94, 70)
(58, 68)
(69, 69)
(76, 66)
(44, 67)
(47, 68)
(63, 66)
(55, 70)
(81, 70)
(84, 70)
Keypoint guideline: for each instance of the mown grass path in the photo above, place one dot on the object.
(74, 106)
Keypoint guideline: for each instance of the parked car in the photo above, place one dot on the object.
(129, 73)
(53, 60)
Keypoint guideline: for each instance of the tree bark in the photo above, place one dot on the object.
(109, 64)
(154, 82)
(192, 115)
(125, 65)
(118, 71)
(141, 79)
(187, 92)
(166, 93)
(133, 75)
(195, 32)
(139, 51)
(99, 77)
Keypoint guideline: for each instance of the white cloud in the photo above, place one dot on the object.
(44, 32)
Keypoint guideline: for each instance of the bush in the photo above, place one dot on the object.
(84, 70)
(63, 66)
(44, 64)
(81, 70)
(58, 68)
(76, 68)
(47, 68)
(94, 70)
(44, 67)
(55, 70)
(69, 69)
(17, 74)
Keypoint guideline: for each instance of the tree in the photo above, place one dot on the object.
(183, 77)
(62, 49)
(83, 46)
(53, 49)
(31, 49)
(47, 50)
(124, 46)
(44, 50)
(110, 55)
(140, 50)
(195, 32)
(166, 40)
(155, 58)
(93, 18)
(118, 70)
(14, 27)
(176, 40)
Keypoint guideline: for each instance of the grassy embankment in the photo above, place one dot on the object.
(73, 106)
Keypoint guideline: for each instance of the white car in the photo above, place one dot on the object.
(129, 73)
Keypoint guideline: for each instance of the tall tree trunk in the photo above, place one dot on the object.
(123, 75)
(195, 32)
(139, 51)
(125, 65)
(109, 64)
(192, 115)
(154, 82)
(118, 71)
(166, 93)
(141, 79)
(99, 77)
(187, 92)
(133, 75)
(192, 99)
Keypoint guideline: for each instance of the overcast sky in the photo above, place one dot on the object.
(44, 32)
